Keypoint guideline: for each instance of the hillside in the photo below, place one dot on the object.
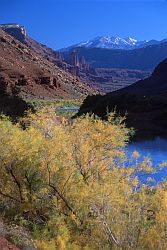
(27, 74)
(19, 32)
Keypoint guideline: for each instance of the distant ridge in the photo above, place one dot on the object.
(156, 84)
(114, 42)
(145, 59)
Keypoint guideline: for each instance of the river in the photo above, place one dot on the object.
(156, 149)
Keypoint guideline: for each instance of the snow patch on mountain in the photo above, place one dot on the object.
(115, 42)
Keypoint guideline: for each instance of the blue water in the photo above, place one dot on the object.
(155, 149)
(68, 109)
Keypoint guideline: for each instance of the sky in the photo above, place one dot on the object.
(60, 23)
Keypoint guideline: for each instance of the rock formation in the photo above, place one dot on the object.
(78, 66)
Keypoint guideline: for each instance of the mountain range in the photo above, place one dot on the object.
(114, 42)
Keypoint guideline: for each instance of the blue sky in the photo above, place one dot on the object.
(59, 23)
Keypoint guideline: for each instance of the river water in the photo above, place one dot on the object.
(156, 149)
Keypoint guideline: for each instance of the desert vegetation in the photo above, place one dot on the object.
(67, 183)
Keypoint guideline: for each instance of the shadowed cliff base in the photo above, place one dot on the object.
(144, 102)
(146, 114)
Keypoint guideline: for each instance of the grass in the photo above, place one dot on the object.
(54, 104)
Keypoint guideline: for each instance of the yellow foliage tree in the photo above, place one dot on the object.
(69, 178)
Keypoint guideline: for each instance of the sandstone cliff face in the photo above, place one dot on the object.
(19, 33)
(29, 75)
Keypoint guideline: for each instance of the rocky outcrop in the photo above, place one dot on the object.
(77, 66)
(52, 82)
(15, 30)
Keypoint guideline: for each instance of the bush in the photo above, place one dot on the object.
(69, 183)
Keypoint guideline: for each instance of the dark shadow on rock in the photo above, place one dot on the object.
(146, 114)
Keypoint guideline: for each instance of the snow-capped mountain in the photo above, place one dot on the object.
(112, 42)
